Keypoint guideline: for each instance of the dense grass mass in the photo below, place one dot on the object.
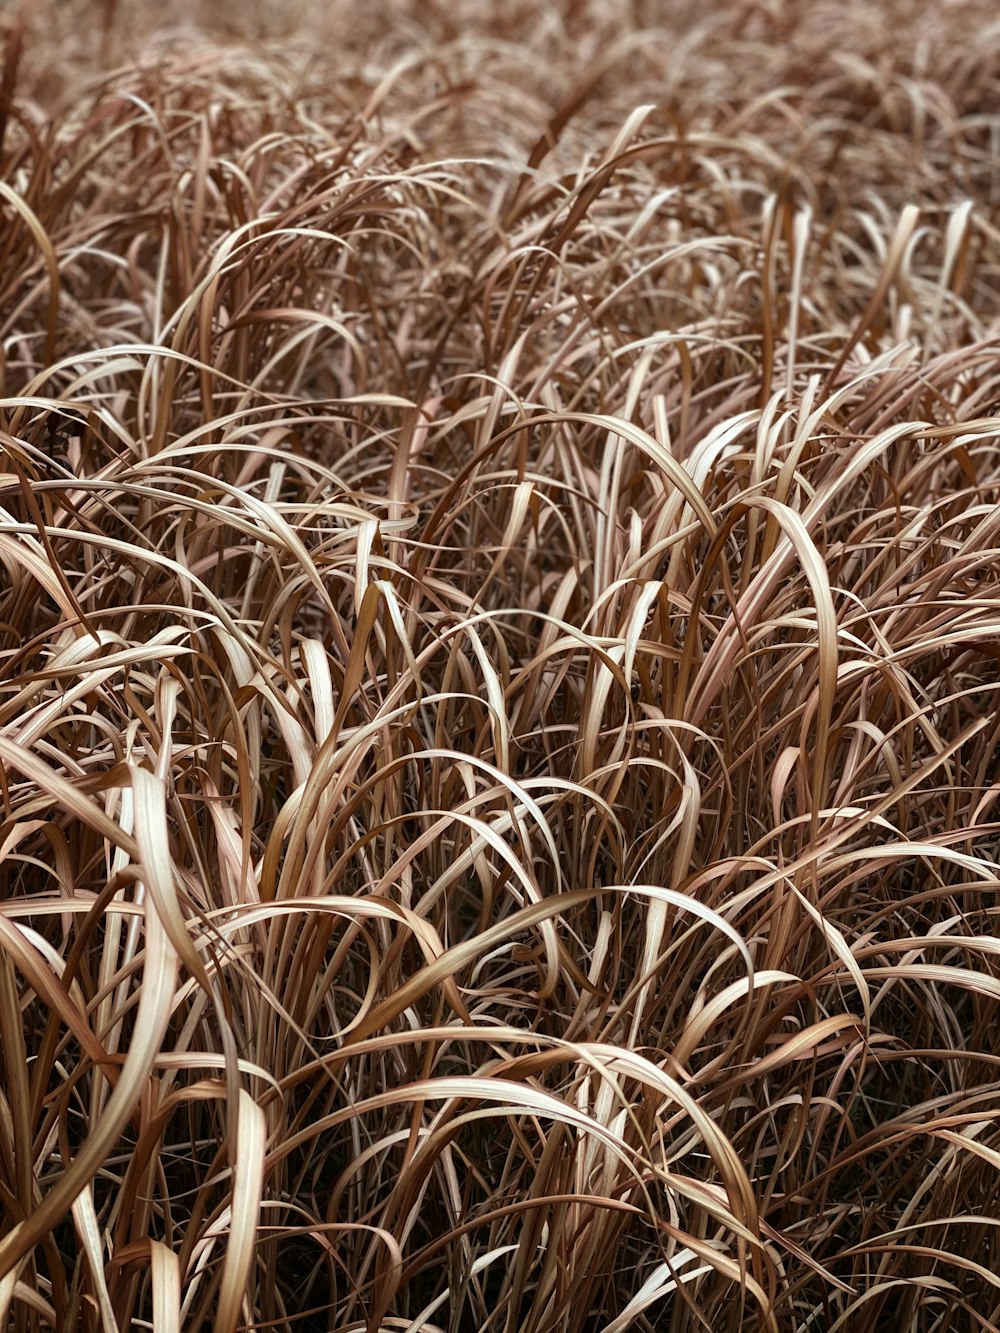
(499, 638)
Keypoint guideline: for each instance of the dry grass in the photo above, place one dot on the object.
(499, 629)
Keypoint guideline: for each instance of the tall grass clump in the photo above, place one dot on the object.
(499, 640)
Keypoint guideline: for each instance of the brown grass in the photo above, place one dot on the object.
(499, 625)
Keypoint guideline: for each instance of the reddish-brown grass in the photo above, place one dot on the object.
(499, 638)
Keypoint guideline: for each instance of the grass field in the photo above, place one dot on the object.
(499, 640)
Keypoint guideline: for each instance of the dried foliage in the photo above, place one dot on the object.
(499, 624)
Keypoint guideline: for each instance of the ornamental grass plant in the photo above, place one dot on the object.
(499, 640)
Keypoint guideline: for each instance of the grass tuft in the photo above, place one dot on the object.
(499, 624)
